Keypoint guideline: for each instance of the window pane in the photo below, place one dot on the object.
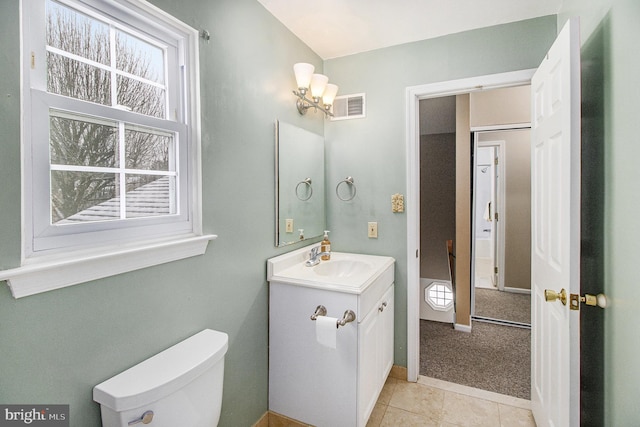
(83, 196)
(139, 58)
(78, 80)
(150, 195)
(82, 143)
(76, 33)
(141, 97)
(439, 296)
(148, 151)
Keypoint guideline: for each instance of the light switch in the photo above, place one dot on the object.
(288, 225)
(373, 230)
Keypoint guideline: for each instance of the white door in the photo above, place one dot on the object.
(555, 252)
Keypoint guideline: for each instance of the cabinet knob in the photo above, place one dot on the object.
(381, 308)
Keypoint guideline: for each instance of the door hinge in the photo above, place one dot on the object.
(417, 253)
(599, 300)
(495, 270)
(33, 60)
(496, 216)
(495, 161)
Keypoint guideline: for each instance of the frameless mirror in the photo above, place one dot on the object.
(300, 210)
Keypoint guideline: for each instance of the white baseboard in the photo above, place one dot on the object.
(462, 328)
(517, 290)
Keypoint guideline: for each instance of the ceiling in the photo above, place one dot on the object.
(334, 28)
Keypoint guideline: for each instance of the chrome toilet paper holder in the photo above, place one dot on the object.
(347, 317)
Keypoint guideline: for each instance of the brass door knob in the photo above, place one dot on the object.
(551, 296)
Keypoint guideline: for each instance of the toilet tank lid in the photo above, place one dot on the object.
(164, 373)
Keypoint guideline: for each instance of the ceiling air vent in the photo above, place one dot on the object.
(348, 107)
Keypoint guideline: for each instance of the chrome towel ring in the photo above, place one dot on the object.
(349, 181)
(307, 183)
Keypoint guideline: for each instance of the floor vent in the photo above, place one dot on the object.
(349, 107)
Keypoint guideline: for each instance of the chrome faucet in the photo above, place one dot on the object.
(314, 256)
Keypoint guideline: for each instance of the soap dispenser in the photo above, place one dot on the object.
(325, 247)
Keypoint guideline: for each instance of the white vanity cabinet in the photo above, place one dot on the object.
(319, 385)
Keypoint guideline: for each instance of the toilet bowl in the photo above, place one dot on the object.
(181, 386)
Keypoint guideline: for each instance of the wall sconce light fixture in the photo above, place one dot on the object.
(322, 92)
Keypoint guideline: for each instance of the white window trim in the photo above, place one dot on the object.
(43, 276)
(45, 273)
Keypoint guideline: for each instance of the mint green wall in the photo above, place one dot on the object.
(9, 135)
(373, 151)
(610, 35)
(55, 346)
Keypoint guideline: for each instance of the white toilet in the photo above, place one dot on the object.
(181, 386)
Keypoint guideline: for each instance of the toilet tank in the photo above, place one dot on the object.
(182, 386)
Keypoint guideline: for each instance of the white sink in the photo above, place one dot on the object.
(344, 272)
(342, 268)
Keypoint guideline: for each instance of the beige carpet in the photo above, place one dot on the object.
(501, 305)
(492, 357)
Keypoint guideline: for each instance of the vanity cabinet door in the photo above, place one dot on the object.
(369, 359)
(375, 354)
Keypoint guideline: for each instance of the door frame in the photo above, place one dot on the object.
(413, 95)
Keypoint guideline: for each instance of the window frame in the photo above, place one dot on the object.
(134, 243)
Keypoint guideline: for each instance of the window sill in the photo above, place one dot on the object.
(39, 276)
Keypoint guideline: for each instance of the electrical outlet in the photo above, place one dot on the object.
(288, 225)
(373, 230)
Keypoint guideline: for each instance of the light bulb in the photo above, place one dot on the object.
(318, 83)
(329, 94)
(303, 72)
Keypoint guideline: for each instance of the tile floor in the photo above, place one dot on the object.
(431, 402)
(434, 403)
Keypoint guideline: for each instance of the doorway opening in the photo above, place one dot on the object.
(448, 137)
(462, 320)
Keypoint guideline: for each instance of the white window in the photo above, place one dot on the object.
(110, 133)
(439, 296)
